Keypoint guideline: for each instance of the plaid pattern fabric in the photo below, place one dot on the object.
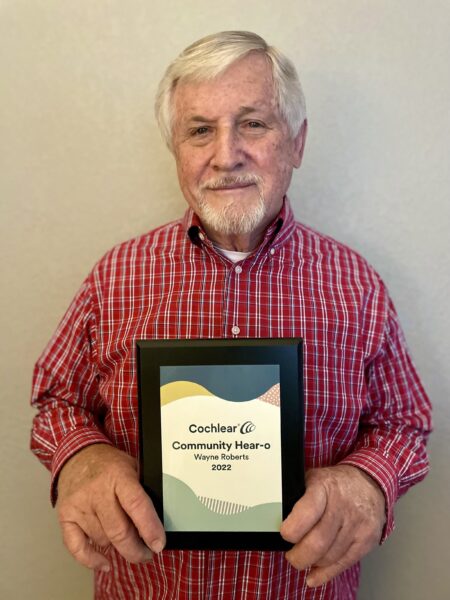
(364, 403)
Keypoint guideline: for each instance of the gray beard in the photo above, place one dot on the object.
(232, 218)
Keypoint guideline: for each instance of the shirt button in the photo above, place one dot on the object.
(201, 236)
(238, 269)
(235, 330)
(272, 251)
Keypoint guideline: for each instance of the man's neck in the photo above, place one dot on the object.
(237, 242)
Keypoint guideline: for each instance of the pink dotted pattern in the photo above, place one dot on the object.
(272, 396)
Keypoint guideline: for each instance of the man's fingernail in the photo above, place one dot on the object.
(157, 546)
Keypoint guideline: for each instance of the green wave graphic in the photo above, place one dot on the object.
(183, 511)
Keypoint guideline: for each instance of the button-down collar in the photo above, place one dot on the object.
(276, 234)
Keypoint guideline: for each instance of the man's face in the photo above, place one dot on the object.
(234, 152)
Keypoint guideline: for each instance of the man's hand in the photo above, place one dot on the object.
(100, 501)
(338, 520)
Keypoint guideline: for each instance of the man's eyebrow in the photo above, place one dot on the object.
(245, 110)
(199, 119)
(264, 112)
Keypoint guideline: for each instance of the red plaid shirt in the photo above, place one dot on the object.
(364, 403)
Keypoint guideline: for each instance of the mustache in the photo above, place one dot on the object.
(230, 180)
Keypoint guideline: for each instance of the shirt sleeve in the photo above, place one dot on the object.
(393, 431)
(65, 390)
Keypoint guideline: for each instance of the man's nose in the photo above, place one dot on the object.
(227, 151)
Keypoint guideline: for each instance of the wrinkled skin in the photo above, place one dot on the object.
(338, 520)
(101, 502)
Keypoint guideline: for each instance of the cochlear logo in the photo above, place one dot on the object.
(247, 427)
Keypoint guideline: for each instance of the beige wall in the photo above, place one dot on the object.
(83, 167)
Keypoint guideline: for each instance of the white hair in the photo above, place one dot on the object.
(211, 56)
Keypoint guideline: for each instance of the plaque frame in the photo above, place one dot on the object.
(288, 354)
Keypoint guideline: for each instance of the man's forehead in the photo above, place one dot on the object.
(246, 86)
(212, 113)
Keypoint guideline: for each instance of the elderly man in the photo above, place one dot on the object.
(237, 265)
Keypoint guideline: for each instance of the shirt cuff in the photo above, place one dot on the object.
(383, 472)
(73, 442)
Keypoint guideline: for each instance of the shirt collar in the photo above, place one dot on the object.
(276, 234)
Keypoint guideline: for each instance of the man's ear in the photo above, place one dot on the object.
(299, 144)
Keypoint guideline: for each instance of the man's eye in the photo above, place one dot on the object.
(200, 131)
(254, 124)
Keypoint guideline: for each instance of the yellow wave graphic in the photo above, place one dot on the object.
(181, 389)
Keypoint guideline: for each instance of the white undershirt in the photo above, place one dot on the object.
(232, 255)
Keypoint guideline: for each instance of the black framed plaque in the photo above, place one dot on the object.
(221, 439)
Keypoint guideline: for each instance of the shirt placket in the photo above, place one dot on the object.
(235, 293)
